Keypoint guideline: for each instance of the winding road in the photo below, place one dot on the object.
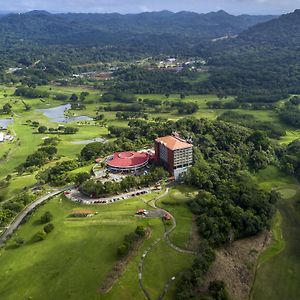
(167, 239)
(20, 217)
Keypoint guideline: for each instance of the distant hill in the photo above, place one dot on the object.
(46, 28)
(262, 59)
(81, 38)
(283, 31)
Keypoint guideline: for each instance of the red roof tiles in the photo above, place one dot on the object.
(173, 143)
(128, 159)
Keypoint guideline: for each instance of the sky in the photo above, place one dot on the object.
(137, 6)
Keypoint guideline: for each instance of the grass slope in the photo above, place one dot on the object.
(74, 258)
(278, 275)
(176, 203)
(79, 253)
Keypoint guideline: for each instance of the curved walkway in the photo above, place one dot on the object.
(170, 243)
(20, 217)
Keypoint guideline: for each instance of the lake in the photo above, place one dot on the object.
(85, 142)
(57, 114)
(4, 123)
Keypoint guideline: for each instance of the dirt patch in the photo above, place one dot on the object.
(120, 266)
(236, 264)
(194, 239)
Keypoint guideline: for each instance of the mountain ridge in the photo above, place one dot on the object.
(40, 26)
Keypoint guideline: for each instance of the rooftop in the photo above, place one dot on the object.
(173, 142)
(128, 159)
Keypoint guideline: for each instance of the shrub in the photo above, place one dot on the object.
(19, 242)
(140, 231)
(217, 290)
(46, 217)
(122, 250)
(39, 236)
(48, 228)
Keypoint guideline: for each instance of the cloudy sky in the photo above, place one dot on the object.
(135, 6)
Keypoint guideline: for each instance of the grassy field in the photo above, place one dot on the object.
(74, 258)
(176, 203)
(162, 264)
(27, 141)
(278, 274)
(79, 253)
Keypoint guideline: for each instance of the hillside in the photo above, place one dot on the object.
(281, 32)
(43, 27)
(70, 37)
(261, 59)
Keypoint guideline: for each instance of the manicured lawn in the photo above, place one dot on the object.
(27, 141)
(127, 287)
(17, 185)
(176, 203)
(75, 257)
(278, 275)
(161, 264)
(277, 244)
(26, 145)
(79, 253)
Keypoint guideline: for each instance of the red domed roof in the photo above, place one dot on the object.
(128, 159)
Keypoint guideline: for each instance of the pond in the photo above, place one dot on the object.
(57, 114)
(85, 142)
(4, 123)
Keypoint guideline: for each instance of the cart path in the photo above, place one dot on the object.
(169, 242)
(20, 217)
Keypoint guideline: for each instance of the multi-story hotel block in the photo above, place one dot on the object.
(174, 153)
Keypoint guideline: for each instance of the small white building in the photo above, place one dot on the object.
(1, 137)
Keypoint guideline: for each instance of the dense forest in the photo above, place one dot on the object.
(258, 61)
(263, 59)
(82, 38)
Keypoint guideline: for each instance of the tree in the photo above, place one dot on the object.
(7, 108)
(8, 178)
(74, 98)
(122, 250)
(82, 177)
(217, 290)
(48, 228)
(140, 231)
(70, 130)
(35, 124)
(83, 95)
(99, 117)
(19, 241)
(42, 129)
(39, 236)
(46, 217)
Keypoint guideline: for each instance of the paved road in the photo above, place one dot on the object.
(18, 220)
(77, 196)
